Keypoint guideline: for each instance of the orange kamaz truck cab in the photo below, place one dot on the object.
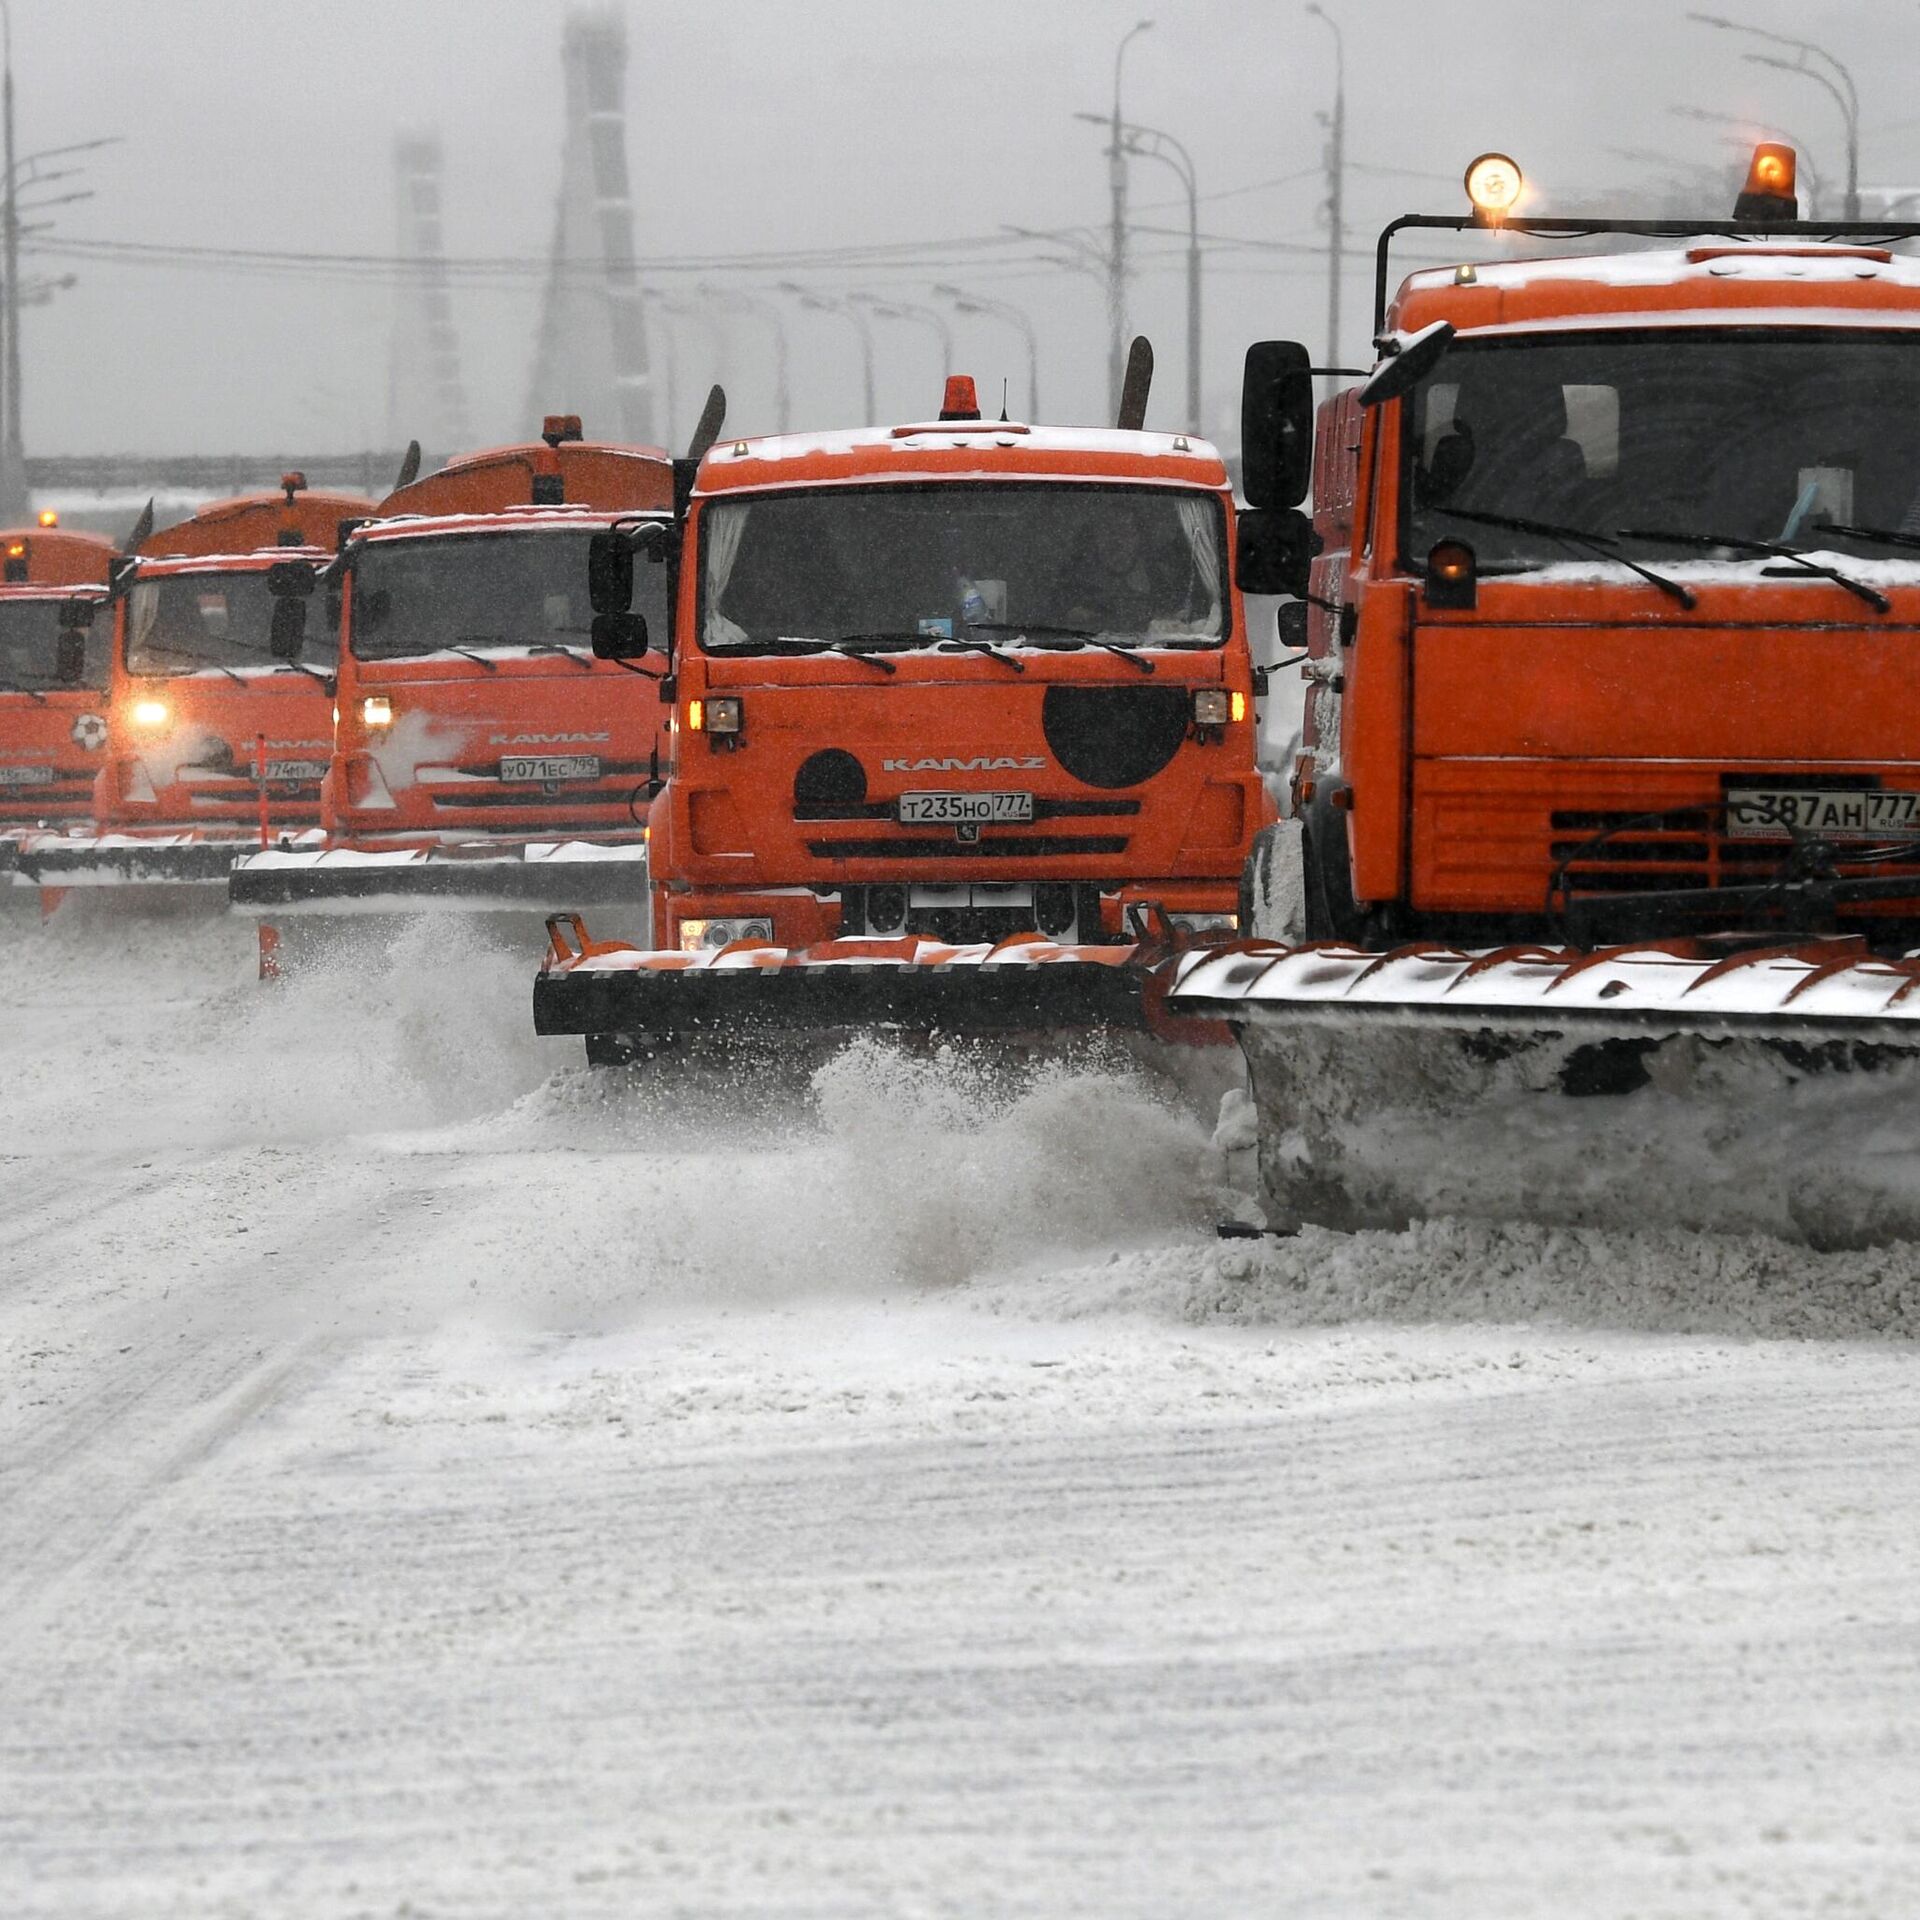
(1615, 625)
(484, 758)
(939, 687)
(220, 714)
(963, 677)
(53, 677)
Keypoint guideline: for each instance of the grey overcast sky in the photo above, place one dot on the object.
(774, 124)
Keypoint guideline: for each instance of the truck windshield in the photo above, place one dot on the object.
(915, 565)
(1751, 434)
(30, 644)
(193, 622)
(480, 591)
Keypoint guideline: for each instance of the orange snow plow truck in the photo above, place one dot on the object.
(484, 758)
(53, 678)
(219, 718)
(1613, 722)
(964, 735)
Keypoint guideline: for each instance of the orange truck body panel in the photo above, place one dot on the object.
(1471, 751)
(50, 745)
(734, 833)
(435, 773)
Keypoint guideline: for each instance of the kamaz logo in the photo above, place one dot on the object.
(980, 763)
(541, 739)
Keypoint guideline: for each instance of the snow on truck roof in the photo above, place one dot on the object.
(515, 519)
(1713, 281)
(946, 449)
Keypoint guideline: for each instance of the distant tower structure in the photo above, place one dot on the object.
(590, 356)
(426, 397)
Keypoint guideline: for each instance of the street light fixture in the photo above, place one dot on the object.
(889, 309)
(1845, 94)
(822, 303)
(974, 303)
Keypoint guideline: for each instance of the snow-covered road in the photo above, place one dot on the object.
(435, 1481)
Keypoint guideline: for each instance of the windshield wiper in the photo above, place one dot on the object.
(200, 661)
(1859, 589)
(566, 653)
(312, 673)
(1879, 536)
(1577, 538)
(1064, 636)
(467, 653)
(987, 647)
(32, 693)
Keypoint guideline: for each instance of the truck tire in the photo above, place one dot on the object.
(1331, 913)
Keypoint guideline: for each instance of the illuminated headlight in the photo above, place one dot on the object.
(1206, 922)
(704, 936)
(151, 713)
(723, 715)
(1213, 706)
(376, 710)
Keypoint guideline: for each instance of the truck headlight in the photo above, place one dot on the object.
(706, 936)
(151, 713)
(1213, 706)
(376, 710)
(723, 714)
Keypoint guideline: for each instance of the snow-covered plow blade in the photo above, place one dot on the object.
(520, 877)
(1645, 1085)
(635, 1001)
(58, 860)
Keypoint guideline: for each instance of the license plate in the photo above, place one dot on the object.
(296, 770)
(1837, 813)
(26, 776)
(963, 809)
(552, 766)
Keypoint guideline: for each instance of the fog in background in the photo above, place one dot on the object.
(760, 127)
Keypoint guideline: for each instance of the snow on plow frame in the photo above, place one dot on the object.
(126, 860)
(1025, 984)
(518, 877)
(1812, 990)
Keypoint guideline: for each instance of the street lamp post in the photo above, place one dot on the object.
(1837, 80)
(905, 310)
(1336, 181)
(1164, 147)
(974, 303)
(820, 303)
(1117, 242)
(768, 311)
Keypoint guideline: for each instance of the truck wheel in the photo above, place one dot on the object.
(1330, 910)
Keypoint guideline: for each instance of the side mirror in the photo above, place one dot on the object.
(1290, 623)
(70, 656)
(1401, 372)
(120, 571)
(609, 578)
(1275, 552)
(289, 631)
(619, 636)
(289, 579)
(1276, 423)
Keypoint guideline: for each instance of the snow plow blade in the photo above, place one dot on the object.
(126, 860)
(1023, 985)
(525, 877)
(1663, 1084)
